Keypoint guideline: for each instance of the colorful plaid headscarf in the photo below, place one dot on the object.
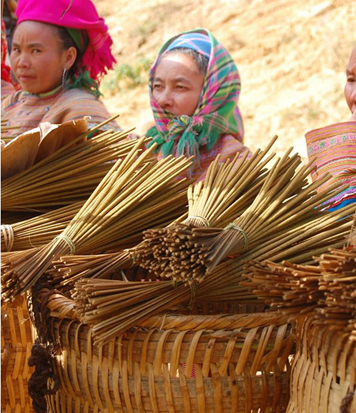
(217, 112)
(75, 14)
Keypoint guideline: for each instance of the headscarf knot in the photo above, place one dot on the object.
(184, 124)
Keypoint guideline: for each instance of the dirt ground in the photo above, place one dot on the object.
(291, 56)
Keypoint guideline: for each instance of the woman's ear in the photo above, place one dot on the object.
(70, 58)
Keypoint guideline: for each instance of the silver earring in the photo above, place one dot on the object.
(64, 77)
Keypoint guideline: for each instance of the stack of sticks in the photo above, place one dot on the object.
(326, 290)
(247, 172)
(38, 230)
(227, 283)
(135, 183)
(67, 176)
(284, 203)
(68, 269)
(338, 304)
(296, 230)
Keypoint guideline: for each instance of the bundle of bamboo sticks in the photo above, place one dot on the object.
(284, 201)
(325, 291)
(132, 181)
(291, 287)
(68, 175)
(239, 186)
(70, 268)
(298, 245)
(338, 283)
(299, 232)
(227, 283)
(39, 230)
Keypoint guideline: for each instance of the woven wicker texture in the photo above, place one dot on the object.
(16, 344)
(177, 363)
(323, 378)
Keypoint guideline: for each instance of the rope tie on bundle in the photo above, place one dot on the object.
(237, 228)
(131, 254)
(9, 236)
(68, 241)
(193, 289)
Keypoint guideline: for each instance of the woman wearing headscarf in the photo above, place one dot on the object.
(60, 51)
(194, 88)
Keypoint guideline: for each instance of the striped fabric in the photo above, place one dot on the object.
(27, 110)
(217, 112)
(195, 41)
(334, 149)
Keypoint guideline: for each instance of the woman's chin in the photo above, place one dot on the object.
(28, 88)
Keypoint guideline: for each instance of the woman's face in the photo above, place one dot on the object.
(350, 87)
(177, 84)
(38, 58)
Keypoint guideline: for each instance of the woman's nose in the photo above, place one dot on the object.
(165, 99)
(353, 93)
(350, 95)
(22, 60)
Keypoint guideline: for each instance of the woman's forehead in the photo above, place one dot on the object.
(31, 27)
(177, 62)
(351, 67)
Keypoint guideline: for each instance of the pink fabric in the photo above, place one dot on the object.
(75, 14)
(333, 150)
(5, 69)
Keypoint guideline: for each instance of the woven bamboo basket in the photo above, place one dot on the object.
(176, 363)
(323, 375)
(16, 344)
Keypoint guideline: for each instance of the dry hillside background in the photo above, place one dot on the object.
(291, 55)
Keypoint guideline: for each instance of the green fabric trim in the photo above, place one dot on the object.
(79, 37)
(84, 81)
(46, 94)
(157, 137)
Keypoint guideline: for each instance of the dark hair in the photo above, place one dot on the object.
(201, 60)
(79, 76)
(67, 42)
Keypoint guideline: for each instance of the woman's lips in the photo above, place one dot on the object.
(24, 78)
